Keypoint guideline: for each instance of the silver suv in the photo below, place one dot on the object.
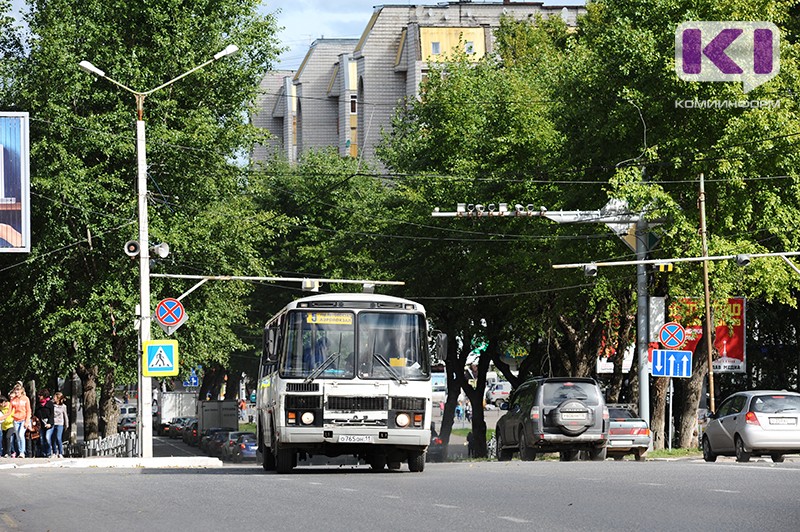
(564, 415)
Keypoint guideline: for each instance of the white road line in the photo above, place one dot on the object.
(726, 491)
(348, 489)
(512, 519)
(391, 496)
(449, 506)
(651, 484)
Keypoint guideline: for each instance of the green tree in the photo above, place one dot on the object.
(77, 287)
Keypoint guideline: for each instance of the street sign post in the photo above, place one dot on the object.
(170, 314)
(672, 363)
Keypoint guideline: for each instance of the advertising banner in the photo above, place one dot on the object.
(729, 342)
(14, 183)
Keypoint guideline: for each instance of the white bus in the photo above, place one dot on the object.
(345, 374)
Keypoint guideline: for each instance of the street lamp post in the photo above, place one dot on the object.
(145, 403)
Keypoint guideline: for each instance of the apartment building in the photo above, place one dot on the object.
(346, 91)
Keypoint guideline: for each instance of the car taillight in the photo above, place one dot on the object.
(437, 441)
(751, 419)
(605, 413)
(641, 432)
(242, 446)
(535, 413)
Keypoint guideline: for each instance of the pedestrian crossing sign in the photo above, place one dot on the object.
(160, 358)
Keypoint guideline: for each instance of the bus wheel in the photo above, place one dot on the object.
(377, 461)
(416, 462)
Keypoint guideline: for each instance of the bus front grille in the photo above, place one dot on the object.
(353, 404)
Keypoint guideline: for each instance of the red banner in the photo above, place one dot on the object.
(729, 341)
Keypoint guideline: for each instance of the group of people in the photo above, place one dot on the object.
(32, 430)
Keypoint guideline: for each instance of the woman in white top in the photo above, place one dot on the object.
(60, 422)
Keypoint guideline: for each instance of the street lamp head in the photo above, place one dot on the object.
(91, 69)
(230, 49)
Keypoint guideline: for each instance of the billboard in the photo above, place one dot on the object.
(729, 341)
(14, 183)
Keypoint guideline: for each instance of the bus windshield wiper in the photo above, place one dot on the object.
(322, 367)
(389, 368)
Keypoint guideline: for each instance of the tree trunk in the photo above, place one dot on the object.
(109, 410)
(90, 411)
(689, 391)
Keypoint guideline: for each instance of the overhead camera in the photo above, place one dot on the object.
(590, 270)
(742, 259)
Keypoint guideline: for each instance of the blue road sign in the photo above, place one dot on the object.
(160, 358)
(672, 335)
(193, 380)
(671, 363)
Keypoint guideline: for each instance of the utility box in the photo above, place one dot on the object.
(217, 414)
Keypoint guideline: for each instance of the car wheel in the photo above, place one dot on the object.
(416, 461)
(526, 452)
(598, 454)
(741, 454)
(570, 429)
(640, 454)
(708, 454)
(568, 456)
(503, 454)
(776, 457)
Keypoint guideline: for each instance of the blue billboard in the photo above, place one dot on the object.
(14, 183)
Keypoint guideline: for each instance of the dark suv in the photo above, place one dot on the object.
(546, 415)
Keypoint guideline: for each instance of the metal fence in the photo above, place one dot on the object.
(124, 444)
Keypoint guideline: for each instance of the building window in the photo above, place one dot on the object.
(435, 48)
(353, 104)
(469, 47)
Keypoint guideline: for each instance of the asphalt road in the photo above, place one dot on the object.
(485, 496)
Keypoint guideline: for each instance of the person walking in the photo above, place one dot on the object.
(22, 418)
(60, 423)
(44, 411)
(6, 425)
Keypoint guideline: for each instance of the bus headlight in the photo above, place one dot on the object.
(402, 420)
(307, 418)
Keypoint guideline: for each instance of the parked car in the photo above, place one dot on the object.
(244, 448)
(189, 433)
(226, 449)
(436, 448)
(176, 426)
(497, 393)
(216, 443)
(126, 423)
(127, 410)
(209, 433)
(754, 423)
(564, 415)
(627, 434)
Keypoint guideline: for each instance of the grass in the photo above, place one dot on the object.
(674, 453)
(463, 433)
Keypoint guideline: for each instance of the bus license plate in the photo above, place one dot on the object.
(345, 438)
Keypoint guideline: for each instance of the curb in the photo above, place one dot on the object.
(203, 462)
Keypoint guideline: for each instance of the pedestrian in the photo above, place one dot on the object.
(22, 418)
(44, 411)
(6, 425)
(60, 423)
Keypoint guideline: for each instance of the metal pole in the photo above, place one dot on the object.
(642, 318)
(671, 424)
(145, 389)
(709, 330)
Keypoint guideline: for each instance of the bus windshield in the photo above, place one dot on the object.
(320, 344)
(323, 345)
(392, 346)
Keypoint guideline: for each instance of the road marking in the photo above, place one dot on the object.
(513, 519)
(348, 489)
(8, 520)
(391, 496)
(316, 483)
(726, 491)
(450, 506)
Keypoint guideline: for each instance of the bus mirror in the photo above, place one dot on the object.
(268, 355)
(441, 346)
